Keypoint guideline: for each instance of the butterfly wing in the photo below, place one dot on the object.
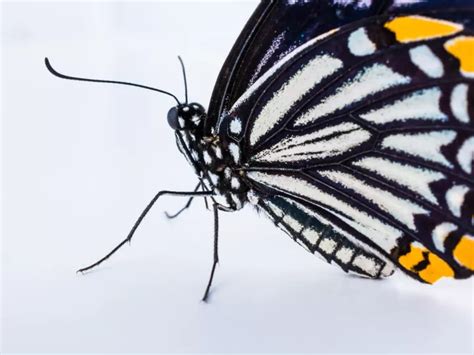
(319, 232)
(274, 29)
(362, 138)
(278, 27)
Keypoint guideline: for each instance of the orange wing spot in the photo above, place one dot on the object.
(464, 252)
(436, 269)
(412, 258)
(462, 48)
(417, 28)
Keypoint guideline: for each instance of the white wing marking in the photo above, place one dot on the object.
(269, 73)
(366, 264)
(345, 254)
(424, 58)
(368, 81)
(416, 179)
(401, 209)
(440, 233)
(327, 142)
(466, 155)
(455, 198)
(423, 145)
(291, 92)
(235, 126)
(422, 104)
(360, 44)
(327, 245)
(234, 152)
(459, 103)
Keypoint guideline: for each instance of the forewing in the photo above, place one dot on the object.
(278, 27)
(373, 124)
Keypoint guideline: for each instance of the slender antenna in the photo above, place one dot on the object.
(59, 75)
(185, 81)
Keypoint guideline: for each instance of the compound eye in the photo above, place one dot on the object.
(173, 118)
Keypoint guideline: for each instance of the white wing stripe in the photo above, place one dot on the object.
(423, 145)
(291, 92)
(417, 180)
(423, 104)
(368, 81)
(269, 73)
(327, 142)
(401, 209)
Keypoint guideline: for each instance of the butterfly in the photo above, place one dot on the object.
(350, 125)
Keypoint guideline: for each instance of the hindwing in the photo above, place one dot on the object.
(365, 135)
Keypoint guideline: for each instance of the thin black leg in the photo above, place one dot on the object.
(186, 206)
(206, 204)
(140, 218)
(204, 188)
(215, 207)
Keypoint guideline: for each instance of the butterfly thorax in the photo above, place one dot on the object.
(215, 161)
(215, 164)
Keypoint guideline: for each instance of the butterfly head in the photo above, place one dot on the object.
(186, 116)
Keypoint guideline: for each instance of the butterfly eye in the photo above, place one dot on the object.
(173, 118)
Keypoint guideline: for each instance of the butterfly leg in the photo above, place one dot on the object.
(186, 206)
(206, 203)
(205, 188)
(215, 208)
(140, 218)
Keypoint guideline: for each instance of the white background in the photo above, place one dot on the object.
(81, 160)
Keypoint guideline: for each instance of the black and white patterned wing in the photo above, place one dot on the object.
(279, 26)
(365, 135)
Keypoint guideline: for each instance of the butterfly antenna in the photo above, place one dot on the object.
(62, 76)
(184, 77)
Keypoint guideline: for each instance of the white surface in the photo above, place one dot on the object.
(81, 160)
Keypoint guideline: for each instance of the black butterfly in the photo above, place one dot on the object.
(350, 123)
